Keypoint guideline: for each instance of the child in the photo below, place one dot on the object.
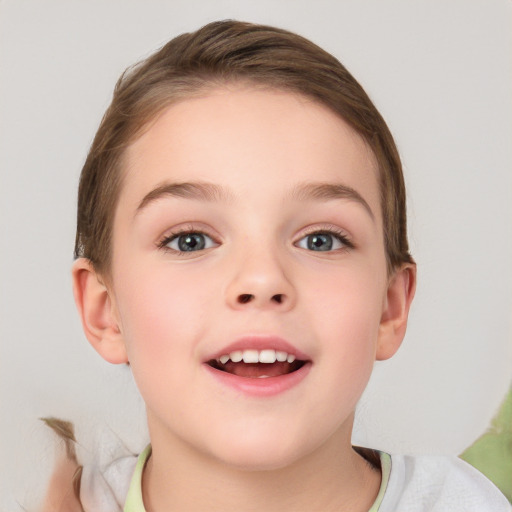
(242, 244)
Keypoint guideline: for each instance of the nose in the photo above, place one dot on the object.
(260, 281)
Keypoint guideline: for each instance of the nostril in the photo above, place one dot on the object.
(244, 298)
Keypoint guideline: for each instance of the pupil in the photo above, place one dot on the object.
(320, 242)
(191, 242)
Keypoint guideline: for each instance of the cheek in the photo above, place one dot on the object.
(349, 302)
(347, 315)
(162, 322)
(161, 314)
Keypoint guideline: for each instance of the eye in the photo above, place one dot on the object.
(323, 241)
(188, 242)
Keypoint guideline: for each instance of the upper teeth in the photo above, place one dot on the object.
(257, 356)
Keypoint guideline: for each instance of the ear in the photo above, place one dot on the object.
(97, 312)
(400, 292)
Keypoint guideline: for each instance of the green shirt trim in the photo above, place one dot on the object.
(385, 469)
(134, 501)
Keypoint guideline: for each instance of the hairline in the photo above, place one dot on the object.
(201, 85)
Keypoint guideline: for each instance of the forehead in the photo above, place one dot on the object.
(238, 136)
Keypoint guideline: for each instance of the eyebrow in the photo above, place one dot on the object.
(327, 191)
(210, 192)
(198, 190)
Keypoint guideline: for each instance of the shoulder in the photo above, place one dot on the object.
(439, 484)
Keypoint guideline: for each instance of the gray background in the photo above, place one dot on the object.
(440, 72)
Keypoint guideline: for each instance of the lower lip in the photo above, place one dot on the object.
(269, 386)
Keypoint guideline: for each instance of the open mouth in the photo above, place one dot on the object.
(257, 364)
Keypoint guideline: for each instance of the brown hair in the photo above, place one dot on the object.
(219, 53)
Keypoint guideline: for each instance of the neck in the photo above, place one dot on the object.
(334, 477)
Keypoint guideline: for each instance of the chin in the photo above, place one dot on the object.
(256, 460)
(260, 453)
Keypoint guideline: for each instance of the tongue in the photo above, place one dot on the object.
(255, 370)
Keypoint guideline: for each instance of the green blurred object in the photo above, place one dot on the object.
(491, 453)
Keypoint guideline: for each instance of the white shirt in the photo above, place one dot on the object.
(439, 484)
(409, 484)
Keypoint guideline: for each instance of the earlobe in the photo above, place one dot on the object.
(96, 310)
(400, 292)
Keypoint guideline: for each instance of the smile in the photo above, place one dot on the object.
(259, 366)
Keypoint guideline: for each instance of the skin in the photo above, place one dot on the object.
(60, 496)
(166, 313)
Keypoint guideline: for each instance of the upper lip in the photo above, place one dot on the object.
(260, 342)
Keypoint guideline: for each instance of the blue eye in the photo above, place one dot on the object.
(322, 241)
(189, 242)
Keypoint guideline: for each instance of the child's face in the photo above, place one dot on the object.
(282, 249)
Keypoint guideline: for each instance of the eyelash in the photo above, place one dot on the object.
(317, 230)
(334, 231)
(189, 230)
